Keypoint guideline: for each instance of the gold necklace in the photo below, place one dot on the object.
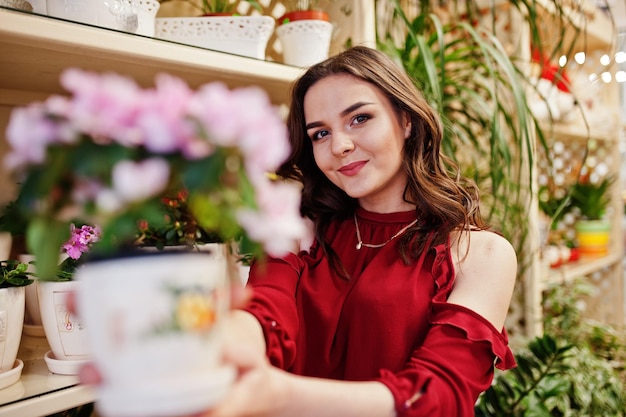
(360, 243)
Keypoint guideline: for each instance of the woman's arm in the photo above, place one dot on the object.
(443, 377)
(485, 275)
(266, 391)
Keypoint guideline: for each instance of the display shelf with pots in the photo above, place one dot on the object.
(30, 65)
(40, 392)
(585, 143)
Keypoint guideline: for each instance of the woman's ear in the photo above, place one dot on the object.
(406, 121)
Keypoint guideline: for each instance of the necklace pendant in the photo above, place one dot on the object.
(359, 245)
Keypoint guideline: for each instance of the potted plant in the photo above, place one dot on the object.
(216, 25)
(64, 331)
(179, 228)
(593, 229)
(304, 32)
(303, 10)
(14, 277)
(106, 155)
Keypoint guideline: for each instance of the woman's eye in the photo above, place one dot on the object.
(320, 134)
(361, 118)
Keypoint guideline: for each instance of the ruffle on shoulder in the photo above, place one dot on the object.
(476, 329)
(475, 326)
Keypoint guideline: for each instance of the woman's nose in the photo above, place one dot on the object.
(341, 144)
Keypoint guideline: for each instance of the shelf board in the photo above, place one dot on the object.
(577, 131)
(580, 268)
(39, 392)
(35, 49)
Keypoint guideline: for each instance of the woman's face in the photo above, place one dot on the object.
(357, 140)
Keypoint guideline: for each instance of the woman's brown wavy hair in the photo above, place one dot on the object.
(444, 200)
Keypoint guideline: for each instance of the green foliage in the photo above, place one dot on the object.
(592, 198)
(66, 269)
(527, 389)
(179, 226)
(553, 207)
(14, 274)
(576, 369)
(12, 220)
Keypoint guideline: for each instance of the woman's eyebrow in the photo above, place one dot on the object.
(344, 112)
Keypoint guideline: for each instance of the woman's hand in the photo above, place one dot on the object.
(260, 390)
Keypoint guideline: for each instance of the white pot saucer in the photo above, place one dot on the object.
(63, 367)
(11, 376)
(186, 395)
(33, 330)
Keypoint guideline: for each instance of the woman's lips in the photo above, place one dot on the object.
(352, 168)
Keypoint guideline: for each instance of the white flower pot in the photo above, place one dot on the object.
(32, 316)
(154, 327)
(305, 42)
(133, 16)
(65, 332)
(241, 35)
(11, 322)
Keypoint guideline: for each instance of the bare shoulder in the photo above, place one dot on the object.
(484, 243)
(486, 270)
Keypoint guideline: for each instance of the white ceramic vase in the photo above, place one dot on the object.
(64, 331)
(240, 35)
(11, 322)
(305, 42)
(133, 16)
(154, 328)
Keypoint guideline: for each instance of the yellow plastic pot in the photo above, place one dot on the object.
(593, 236)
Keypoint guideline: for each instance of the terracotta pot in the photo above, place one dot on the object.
(304, 15)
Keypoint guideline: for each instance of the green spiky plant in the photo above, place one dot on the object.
(592, 198)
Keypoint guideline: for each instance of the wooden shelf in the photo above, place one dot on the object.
(576, 130)
(35, 49)
(38, 391)
(580, 268)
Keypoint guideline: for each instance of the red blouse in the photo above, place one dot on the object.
(390, 322)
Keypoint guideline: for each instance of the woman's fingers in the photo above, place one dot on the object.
(89, 375)
(239, 295)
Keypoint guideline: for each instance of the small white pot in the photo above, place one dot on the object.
(11, 322)
(32, 316)
(154, 327)
(64, 331)
(305, 42)
(240, 35)
(133, 16)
